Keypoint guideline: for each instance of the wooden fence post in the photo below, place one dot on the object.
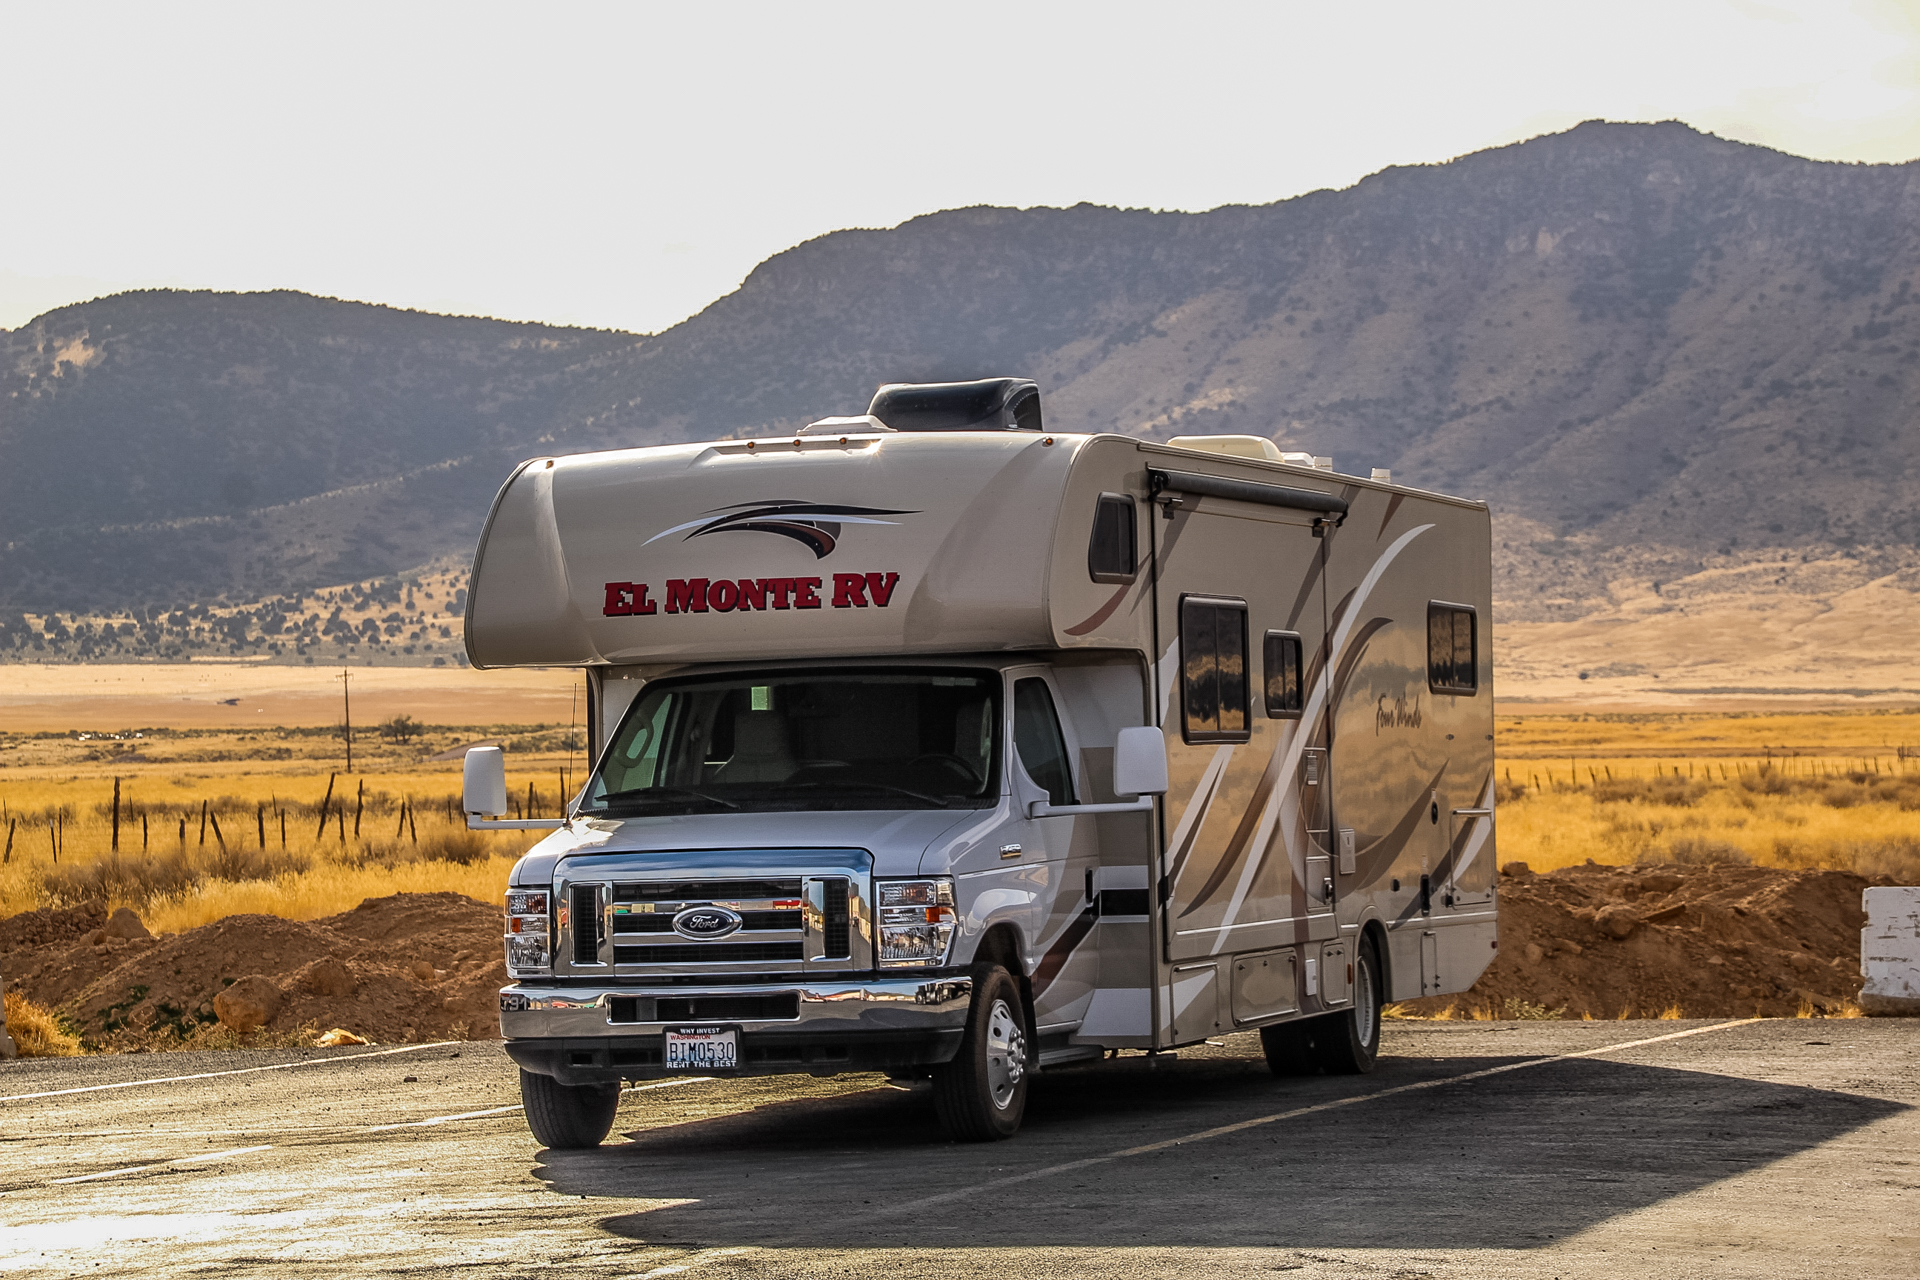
(321, 830)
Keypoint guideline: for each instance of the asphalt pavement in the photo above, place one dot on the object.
(1537, 1149)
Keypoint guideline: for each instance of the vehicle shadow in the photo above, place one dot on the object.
(1512, 1160)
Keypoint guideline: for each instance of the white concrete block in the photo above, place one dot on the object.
(1890, 951)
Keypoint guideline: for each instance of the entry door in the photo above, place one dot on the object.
(1241, 614)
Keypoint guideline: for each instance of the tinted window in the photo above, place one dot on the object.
(1213, 648)
(1037, 737)
(887, 738)
(1111, 549)
(1453, 654)
(1285, 677)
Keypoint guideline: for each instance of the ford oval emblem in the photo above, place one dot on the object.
(706, 922)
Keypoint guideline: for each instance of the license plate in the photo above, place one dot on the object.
(703, 1049)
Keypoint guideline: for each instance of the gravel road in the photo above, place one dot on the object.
(1540, 1149)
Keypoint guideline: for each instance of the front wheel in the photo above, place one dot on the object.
(565, 1116)
(981, 1095)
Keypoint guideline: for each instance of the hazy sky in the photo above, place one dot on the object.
(624, 165)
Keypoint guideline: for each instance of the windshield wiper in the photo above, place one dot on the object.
(869, 786)
(640, 793)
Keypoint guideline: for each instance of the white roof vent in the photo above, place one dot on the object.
(1238, 446)
(1383, 475)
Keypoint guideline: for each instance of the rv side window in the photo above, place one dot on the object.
(1111, 554)
(1453, 652)
(1214, 678)
(1286, 686)
(1037, 737)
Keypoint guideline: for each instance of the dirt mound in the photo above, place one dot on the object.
(1715, 941)
(395, 969)
(48, 926)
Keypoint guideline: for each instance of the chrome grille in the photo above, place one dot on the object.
(799, 911)
(624, 922)
(710, 953)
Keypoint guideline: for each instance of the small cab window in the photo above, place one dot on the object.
(1453, 651)
(1213, 670)
(1038, 740)
(1282, 664)
(1111, 553)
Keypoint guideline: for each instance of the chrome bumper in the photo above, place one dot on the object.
(529, 1012)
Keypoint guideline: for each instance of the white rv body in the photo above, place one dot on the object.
(1351, 810)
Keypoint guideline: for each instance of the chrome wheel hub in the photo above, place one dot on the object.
(1006, 1054)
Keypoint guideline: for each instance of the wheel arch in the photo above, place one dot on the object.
(1001, 944)
(1372, 930)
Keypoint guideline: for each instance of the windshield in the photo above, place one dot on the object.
(885, 738)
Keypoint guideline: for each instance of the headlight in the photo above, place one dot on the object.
(916, 921)
(528, 929)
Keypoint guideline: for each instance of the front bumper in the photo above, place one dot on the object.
(587, 1035)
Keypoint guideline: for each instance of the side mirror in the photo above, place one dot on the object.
(1139, 762)
(484, 781)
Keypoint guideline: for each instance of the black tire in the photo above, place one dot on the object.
(1348, 1044)
(1340, 1044)
(1289, 1048)
(981, 1095)
(567, 1117)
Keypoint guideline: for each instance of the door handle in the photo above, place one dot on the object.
(1473, 813)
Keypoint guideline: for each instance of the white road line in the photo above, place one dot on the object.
(142, 1168)
(894, 1211)
(1222, 1131)
(422, 1124)
(238, 1071)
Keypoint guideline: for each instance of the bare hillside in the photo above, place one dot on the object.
(1656, 352)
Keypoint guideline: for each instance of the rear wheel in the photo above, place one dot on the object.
(981, 1095)
(566, 1116)
(1349, 1043)
(1339, 1044)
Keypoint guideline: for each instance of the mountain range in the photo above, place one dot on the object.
(1654, 351)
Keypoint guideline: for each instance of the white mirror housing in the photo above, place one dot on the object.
(484, 781)
(1140, 762)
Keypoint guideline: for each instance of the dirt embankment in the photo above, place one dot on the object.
(395, 969)
(1720, 940)
(1715, 941)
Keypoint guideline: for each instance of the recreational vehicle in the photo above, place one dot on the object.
(933, 742)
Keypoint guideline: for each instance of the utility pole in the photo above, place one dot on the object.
(346, 697)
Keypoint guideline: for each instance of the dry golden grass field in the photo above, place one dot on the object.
(219, 821)
(215, 822)
(1836, 790)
